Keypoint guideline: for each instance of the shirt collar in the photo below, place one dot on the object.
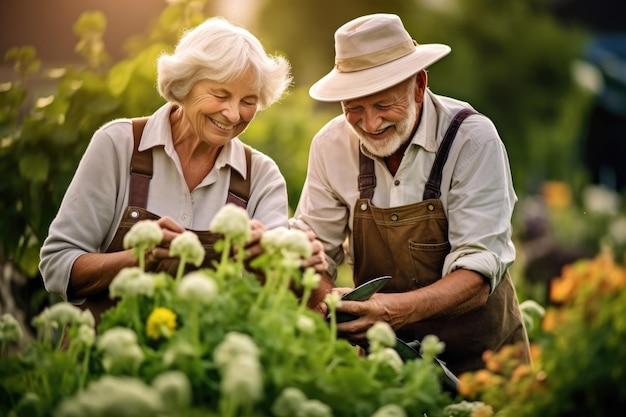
(425, 135)
(158, 132)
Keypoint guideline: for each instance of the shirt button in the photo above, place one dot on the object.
(363, 206)
(394, 217)
(431, 207)
(184, 217)
(396, 182)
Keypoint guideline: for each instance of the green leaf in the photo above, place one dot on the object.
(35, 167)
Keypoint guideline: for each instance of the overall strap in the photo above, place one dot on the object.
(141, 173)
(239, 189)
(367, 177)
(140, 167)
(433, 185)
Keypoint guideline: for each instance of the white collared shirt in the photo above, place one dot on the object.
(98, 194)
(477, 190)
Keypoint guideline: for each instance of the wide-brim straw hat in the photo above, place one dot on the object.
(373, 53)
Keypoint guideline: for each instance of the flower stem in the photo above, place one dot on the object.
(193, 324)
(304, 300)
(224, 258)
(84, 370)
(141, 250)
(181, 267)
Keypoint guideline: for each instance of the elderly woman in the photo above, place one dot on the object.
(187, 152)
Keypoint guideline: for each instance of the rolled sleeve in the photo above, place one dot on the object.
(480, 204)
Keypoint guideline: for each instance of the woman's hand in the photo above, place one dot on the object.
(317, 260)
(170, 229)
(253, 246)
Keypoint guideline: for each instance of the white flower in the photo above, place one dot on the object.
(305, 324)
(113, 396)
(232, 221)
(85, 337)
(121, 351)
(381, 335)
(311, 279)
(617, 230)
(288, 402)
(188, 245)
(389, 356)
(297, 242)
(272, 240)
(332, 299)
(198, 287)
(132, 282)
(234, 345)
(59, 315)
(117, 339)
(10, 330)
(390, 410)
(431, 346)
(601, 200)
(242, 379)
(175, 389)
(146, 234)
(314, 408)
(289, 242)
(86, 318)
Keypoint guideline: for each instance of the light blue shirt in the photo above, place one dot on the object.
(477, 189)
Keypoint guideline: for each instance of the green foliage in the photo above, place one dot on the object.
(238, 322)
(44, 133)
(510, 59)
(284, 131)
(579, 354)
(585, 357)
(588, 345)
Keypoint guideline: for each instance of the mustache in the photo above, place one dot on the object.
(380, 129)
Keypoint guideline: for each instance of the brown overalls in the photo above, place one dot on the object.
(410, 243)
(141, 173)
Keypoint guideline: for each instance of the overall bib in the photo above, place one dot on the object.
(141, 173)
(410, 243)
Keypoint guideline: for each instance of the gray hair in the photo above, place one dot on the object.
(219, 51)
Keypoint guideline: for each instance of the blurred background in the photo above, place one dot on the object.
(551, 74)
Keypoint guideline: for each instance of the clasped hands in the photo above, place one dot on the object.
(253, 247)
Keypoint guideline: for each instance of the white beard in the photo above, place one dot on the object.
(385, 147)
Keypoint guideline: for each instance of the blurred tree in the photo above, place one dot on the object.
(304, 30)
(511, 60)
(44, 136)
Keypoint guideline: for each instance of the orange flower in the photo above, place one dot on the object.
(557, 194)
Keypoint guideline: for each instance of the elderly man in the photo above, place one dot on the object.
(421, 186)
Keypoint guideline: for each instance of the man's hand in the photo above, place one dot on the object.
(456, 293)
(317, 260)
(380, 307)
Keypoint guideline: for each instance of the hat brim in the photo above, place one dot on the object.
(341, 86)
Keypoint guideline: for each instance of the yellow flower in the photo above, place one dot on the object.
(161, 323)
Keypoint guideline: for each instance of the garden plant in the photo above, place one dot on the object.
(213, 342)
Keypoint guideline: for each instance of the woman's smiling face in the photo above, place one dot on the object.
(219, 112)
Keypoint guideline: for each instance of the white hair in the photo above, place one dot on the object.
(219, 51)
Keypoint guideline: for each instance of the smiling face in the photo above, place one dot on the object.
(384, 121)
(218, 112)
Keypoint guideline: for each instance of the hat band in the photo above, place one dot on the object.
(375, 58)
